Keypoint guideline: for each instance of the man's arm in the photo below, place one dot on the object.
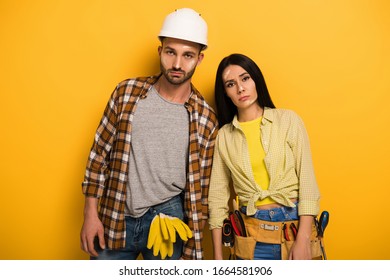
(95, 176)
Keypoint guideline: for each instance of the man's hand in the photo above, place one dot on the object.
(92, 227)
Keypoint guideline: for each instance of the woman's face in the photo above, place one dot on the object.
(240, 87)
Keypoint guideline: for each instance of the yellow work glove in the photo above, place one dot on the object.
(166, 249)
(162, 234)
(172, 225)
(156, 240)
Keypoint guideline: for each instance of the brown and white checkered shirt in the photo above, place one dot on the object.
(108, 163)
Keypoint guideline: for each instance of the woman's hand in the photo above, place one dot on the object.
(301, 249)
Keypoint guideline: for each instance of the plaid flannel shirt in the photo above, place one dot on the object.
(108, 163)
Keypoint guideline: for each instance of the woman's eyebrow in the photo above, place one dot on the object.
(243, 74)
(231, 80)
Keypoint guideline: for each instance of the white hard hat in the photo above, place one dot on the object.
(185, 24)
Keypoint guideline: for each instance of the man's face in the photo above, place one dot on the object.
(178, 59)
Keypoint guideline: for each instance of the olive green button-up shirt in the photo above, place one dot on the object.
(288, 161)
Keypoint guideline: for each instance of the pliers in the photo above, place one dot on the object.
(285, 232)
(294, 230)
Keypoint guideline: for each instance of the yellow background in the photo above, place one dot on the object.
(60, 60)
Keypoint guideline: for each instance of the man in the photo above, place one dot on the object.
(152, 155)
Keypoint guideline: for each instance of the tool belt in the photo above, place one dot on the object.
(282, 233)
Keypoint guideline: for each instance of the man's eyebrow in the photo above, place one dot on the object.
(173, 49)
(190, 52)
(169, 48)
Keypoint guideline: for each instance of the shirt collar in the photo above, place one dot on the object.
(192, 99)
(268, 116)
(194, 96)
(148, 84)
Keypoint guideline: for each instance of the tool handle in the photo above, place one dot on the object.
(323, 222)
(240, 221)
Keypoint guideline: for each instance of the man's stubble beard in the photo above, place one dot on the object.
(176, 81)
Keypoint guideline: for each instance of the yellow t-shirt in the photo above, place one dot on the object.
(252, 133)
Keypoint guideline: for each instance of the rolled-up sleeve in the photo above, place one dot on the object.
(97, 164)
(309, 194)
(219, 192)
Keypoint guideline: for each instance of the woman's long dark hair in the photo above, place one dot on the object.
(225, 107)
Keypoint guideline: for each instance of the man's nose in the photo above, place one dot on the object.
(177, 63)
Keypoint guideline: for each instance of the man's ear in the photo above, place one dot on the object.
(159, 50)
(200, 58)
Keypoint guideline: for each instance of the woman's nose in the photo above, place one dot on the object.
(240, 88)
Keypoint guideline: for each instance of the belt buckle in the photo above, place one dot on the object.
(269, 227)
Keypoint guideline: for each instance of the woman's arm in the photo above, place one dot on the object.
(217, 243)
(301, 249)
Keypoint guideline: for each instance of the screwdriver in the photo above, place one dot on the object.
(323, 222)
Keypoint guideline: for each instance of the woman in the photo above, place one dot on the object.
(265, 153)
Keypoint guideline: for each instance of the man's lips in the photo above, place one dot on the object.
(176, 73)
(243, 98)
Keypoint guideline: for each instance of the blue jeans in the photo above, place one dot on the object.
(137, 231)
(266, 251)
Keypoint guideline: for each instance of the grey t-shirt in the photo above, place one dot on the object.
(159, 153)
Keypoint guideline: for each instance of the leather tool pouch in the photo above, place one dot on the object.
(272, 232)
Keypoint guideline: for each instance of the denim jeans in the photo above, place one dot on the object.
(137, 231)
(266, 251)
